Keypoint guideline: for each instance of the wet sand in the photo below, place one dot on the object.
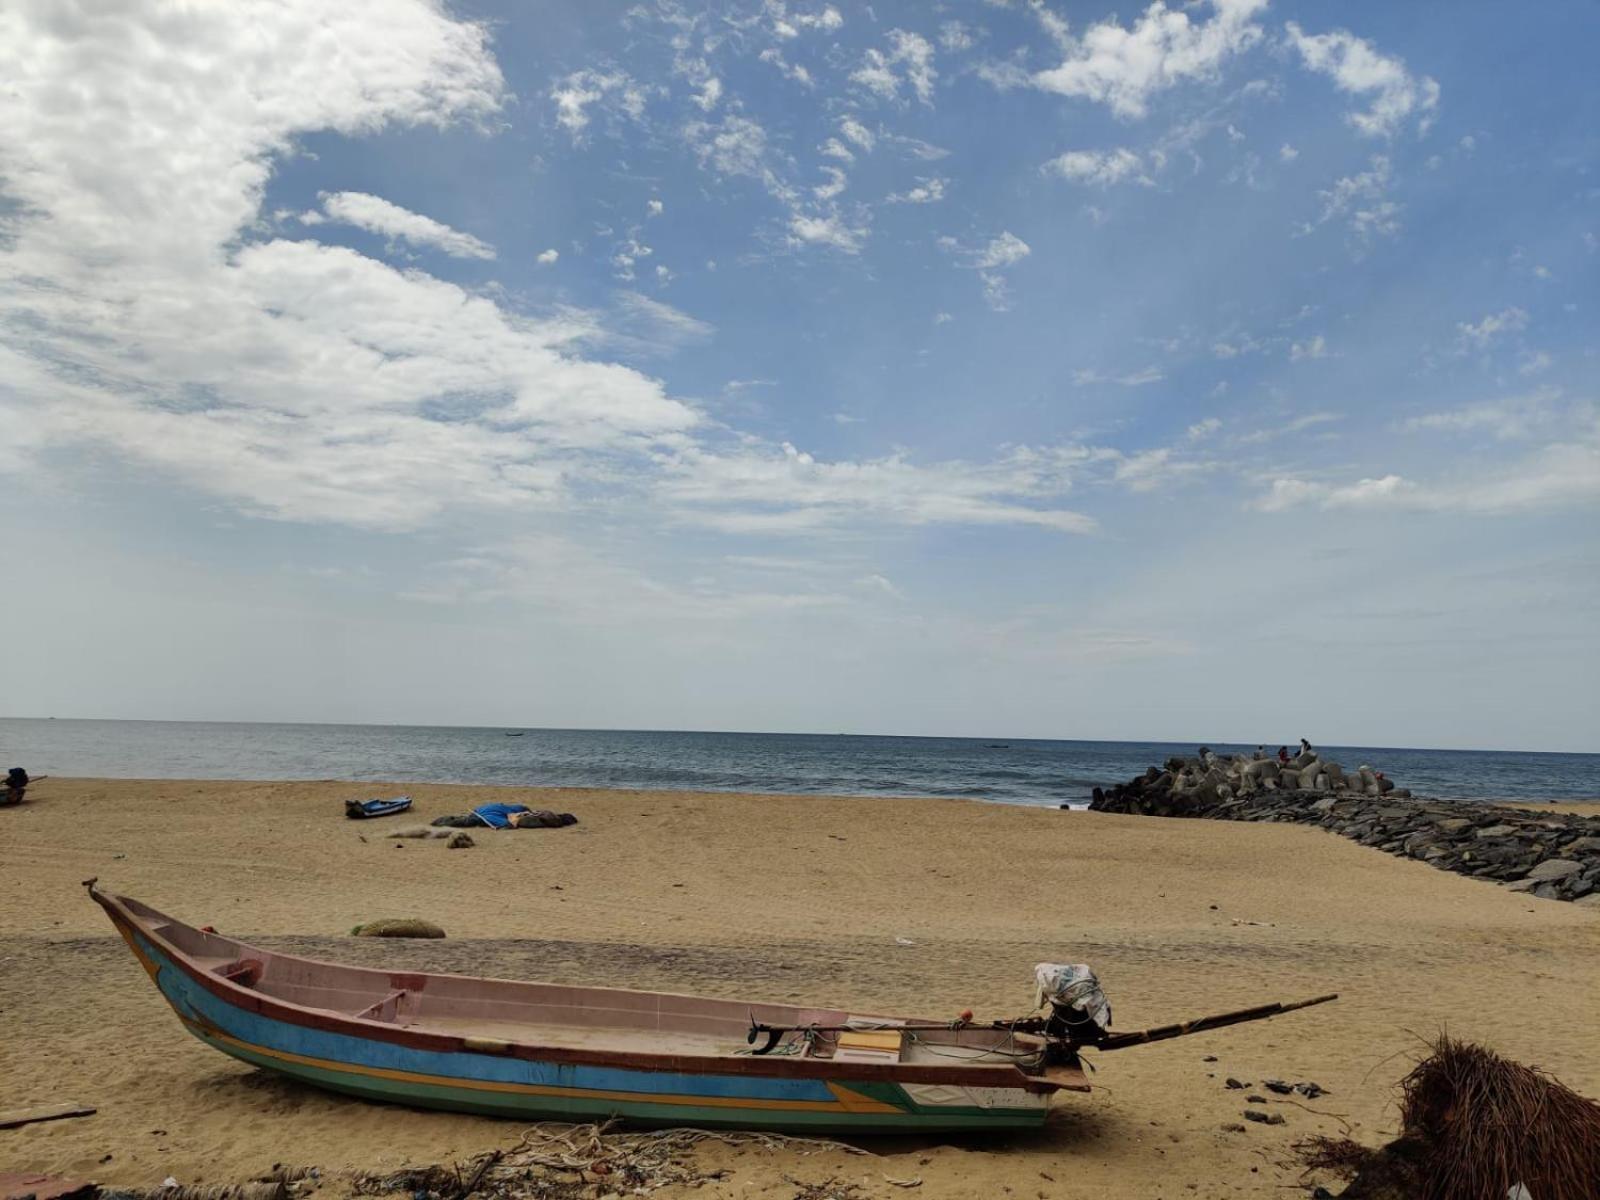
(783, 898)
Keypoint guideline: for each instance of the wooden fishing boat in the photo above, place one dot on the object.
(535, 1050)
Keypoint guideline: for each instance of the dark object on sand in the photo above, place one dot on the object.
(1475, 1125)
(361, 810)
(460, 840)
(409, 927)
(14, 1185)
(17, 782)
(507, 816)
(54, 1112)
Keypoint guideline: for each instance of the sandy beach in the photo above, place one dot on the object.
(778, 898)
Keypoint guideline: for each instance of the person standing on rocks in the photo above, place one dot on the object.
(1283, 756)
(1305, 746)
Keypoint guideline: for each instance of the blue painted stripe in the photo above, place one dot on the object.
(197, 1003)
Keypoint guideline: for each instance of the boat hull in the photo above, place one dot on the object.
(524, 1088)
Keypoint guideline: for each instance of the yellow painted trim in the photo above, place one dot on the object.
(145, 961)
(845, 1099)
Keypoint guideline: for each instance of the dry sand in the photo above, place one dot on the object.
(781, 898)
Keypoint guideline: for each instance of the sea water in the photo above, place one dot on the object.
(1011, 770)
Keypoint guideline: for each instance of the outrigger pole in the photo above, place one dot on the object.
(1038, 1025)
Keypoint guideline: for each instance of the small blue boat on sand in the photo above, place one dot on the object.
(361, 810)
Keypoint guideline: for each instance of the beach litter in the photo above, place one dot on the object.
(55, 1112)
(406, 927)
(555, 1161)
(460, 840)
(1473, 1125)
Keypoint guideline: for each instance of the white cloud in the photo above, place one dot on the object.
(1290, 493)
(942, 318)
(1297, 425)
(989, 260)
(583, 587)
(828, 20)
(789, 491)
(795, 72)
(1361, 201)
(1506, 420)
(834, 148)
(1287, 153)
(927, 191)
(379, 216)
(1102, 168)
(837, 182)
(735, 146)
(1357, 68)
(955, 37)
(1004, 251)
(574, 94)
(826, 230)
(293, 379)
(1316, 347)
(545, 257)
(1563, 474)
(628, 252)
(654, 208)
(1122, 67)
(710, 92)
(909, 60)
(1491, 328)
(1201, 430)
(857, 133)
(659, 322)
(1089, 376)
(917, 148)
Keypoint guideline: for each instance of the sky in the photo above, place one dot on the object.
(1223, 370)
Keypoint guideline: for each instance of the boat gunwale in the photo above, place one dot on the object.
(1001, 1075)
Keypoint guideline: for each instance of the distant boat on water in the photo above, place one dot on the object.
(517, 733)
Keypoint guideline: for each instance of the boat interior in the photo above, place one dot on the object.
(497, 1013)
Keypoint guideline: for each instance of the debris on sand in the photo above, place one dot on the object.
(567, 1162)
(406, 927)
(1474, 1125)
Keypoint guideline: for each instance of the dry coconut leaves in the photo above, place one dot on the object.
(1475, 1126)
(557, 1162)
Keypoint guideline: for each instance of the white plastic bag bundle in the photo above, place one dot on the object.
(1072, 986)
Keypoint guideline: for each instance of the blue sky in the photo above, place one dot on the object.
(1025, 369)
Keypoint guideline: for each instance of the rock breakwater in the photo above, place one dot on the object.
(1554, 856)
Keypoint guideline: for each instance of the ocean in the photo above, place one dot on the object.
(1013, 771)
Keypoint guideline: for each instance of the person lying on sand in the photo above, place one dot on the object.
(508, 816)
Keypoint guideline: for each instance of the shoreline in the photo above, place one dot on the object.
(749, 896)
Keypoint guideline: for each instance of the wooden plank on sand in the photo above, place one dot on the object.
(55, 1112)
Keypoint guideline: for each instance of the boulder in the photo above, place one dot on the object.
(1552, 869)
